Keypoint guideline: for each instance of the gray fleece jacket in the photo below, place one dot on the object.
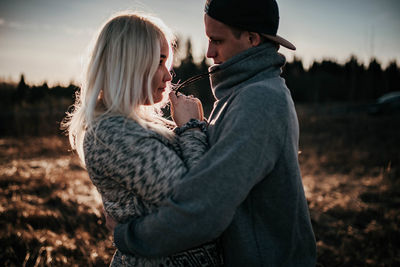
(247, 188)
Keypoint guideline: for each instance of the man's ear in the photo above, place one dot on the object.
(254, 38)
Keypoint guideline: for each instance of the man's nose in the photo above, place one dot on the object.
(211, 51)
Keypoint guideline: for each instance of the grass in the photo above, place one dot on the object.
(50, 214)
(350, 167)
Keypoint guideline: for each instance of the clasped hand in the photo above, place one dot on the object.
(184, 108)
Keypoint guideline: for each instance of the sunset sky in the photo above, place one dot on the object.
(46, 39)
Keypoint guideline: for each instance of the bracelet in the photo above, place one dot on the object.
(193, 123)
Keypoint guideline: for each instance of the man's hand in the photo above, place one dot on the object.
(110, 222)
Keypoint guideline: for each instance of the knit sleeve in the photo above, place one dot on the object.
(143, 162)
(193, 145)
(147, 167)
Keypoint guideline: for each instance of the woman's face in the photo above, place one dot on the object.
(162, 75)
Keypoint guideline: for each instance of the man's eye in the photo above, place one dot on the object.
(215, 41)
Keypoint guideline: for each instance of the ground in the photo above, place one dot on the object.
(50, 213)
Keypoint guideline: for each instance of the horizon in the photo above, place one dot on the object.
(46, 40)
(75, 83)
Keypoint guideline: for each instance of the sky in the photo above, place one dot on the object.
(46, 40)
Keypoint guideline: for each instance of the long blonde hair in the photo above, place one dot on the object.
(119, 72)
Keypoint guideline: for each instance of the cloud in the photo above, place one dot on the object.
(77, 31)
(46, 27)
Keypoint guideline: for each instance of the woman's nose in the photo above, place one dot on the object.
(167, 76)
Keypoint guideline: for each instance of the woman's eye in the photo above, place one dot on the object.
(163, 58)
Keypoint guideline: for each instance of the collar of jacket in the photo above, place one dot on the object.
(261, 60)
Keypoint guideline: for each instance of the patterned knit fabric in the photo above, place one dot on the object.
(134, 170)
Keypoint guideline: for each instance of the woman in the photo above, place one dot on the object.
(130, 152)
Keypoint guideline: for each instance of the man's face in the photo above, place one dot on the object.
(222, 43)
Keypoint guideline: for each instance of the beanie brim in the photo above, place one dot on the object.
(280, 40)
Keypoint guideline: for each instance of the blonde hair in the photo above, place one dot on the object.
(119, 73)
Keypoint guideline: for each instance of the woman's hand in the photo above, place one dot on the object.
(184, 108)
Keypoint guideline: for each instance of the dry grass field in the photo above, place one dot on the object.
(50, 214)
(49, 211)
(351, 173)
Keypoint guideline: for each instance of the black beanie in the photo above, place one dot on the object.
(261, 16)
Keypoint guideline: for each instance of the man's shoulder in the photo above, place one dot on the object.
(264, 92)
(265, 86)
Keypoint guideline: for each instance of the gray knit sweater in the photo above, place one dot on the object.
(134, 170)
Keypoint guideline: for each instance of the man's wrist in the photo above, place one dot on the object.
(123, 237)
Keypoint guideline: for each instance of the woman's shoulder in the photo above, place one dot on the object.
(120, 131)
(119, 126)
(113, 131)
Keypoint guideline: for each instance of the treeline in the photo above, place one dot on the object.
(326, 81)
(38, 110)
(33, 110)
(352, 82)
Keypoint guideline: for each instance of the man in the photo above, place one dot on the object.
(247, 189)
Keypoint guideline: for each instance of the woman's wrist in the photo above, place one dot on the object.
(194, 129)
(192, 124)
